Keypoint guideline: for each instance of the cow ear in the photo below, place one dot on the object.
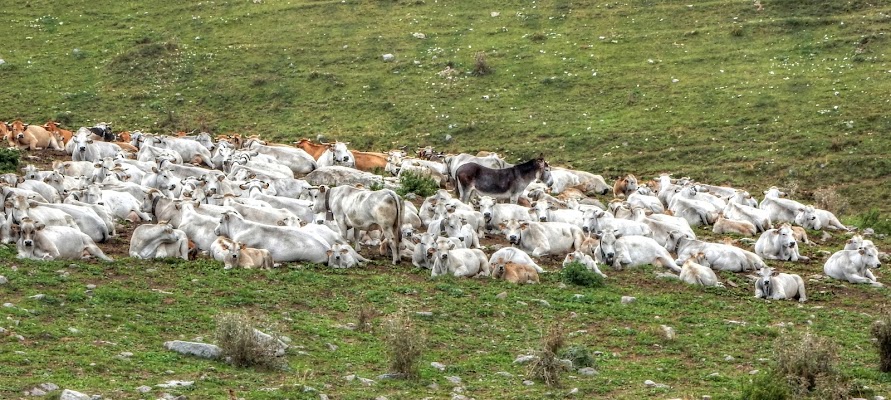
(303, 223)
(8, 204)
(344, 251)
(220, 178)
(280, 223)
(224, 246)
(241, 246)
(531, 211)
(41, 225)
(329, 253)
(242, 186)
(415, 239)
(524, 225)
(451, 245)
(33, 203)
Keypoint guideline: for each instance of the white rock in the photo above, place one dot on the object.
(202, 350)
(2, 61)
(668, 332)
(91, 287)
(73, 330)
(588, 371)
(323, 396)
(501, 296)
(524, 359)
(543, 302)
(144, 389)
(424, 313)
(419, 35)
(388, 57)
(729, 358)
(366, 381)
(3, 280)
(504, 374)
(438, 366)
(69, 394)
(174, 384)
(49, 387)
(528, 383)
(753, 372)
(628, 299)
(494, 14)
(36, 392)
(331, 346)
(39, 296)
(649, 383)
(878, 398)
(350, 378)
(574, 391)
(456, 380)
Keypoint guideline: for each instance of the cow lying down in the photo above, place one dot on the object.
(37, 241)
(514, 273)
(779, 286)
(853, 266)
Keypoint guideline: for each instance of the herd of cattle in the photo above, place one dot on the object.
(249, 203)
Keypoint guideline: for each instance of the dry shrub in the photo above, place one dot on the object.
(481, 64)
(809, 364)
(881, 331)
(366, 314)
(829, 199)
(546, 368)
(242, 345)
(405, 345)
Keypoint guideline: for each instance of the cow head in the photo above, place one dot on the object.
(339, 152)
(513, 230)
(607, 248)
(27, 231)
(765, 282)
(807, 217)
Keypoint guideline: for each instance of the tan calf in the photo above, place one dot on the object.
(514, 273)
(724, 225)
(32, 137)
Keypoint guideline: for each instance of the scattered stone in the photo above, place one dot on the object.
(366, 381)
(878, 398)
(438, 366)
(410, 196)
(588, 371)
(125, 354)
(504, 374)
(706, 397)
(448, 138)
(433, 386)
(666, 275)
(628, 299)
(381, 398)
(388, 57)
(69, 394)
(3, 280)
(668, 332)
(49, 387)
(753, 372)
(525, 359)
(39, 296)
(456, 380)
(174, 384)
(543, 302)
(522, 303)
(424, 313)
(456, 396)
(598, 353)
(91, 287)
(649, 383)
(528, 383)
(197, 349)
(73, 330)
(350, 378)
(331, 346)
(394, 375)
(713, 375)
(323, 396)
(493, 14)
(573, 392)
(72, 265)
(265, 337)
(578, 296)
(419, 35)
(36, 392)
(501, 296)
(566, 364)
(729, 358)
(732, 283)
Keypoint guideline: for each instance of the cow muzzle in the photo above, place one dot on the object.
(543, 219)
(82, 149)
(28, 243)
(513, 239)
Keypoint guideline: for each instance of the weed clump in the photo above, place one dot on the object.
(481, 64)
(546, 367)
(809, 365)
(577, 273)
(366, 314)
(579, 355)
(244, 346)
(766, 387)
(831, 200)
(879, 222)
(9, 160)
(418, 184)
(881, 331)
(405, 344)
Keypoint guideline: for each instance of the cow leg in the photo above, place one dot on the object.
(854, 278)
(802, 296)
(97, 252)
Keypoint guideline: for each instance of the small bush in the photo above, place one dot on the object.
(546, 368)
(577, 273)
(766, 387)
(9, 160)
(240, 343)
(579, 355)
(737, 30)
(481, 64)
(809, 364)
(875, 220)
(405, 345)
(366, 315)
(829, 199)
(881, 331)
(418, 184)
(538, 37)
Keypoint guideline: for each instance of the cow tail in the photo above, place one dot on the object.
(397, 224)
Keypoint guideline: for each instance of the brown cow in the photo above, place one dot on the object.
(33, 137)
(369, 161)
(514, 273)
(63, 136)
(315, 149)
(625, 185)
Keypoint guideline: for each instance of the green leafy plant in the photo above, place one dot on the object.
(577, 273)
(418, 184)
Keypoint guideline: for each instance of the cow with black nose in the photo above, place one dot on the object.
(779, 286)
(37, 241)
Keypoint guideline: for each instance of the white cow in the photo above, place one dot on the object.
(448, 259)
(341, 256)
(584, 259)
(779, 209)
(741, 212)
(853, 266)
(817, 219)
(37, 241)
(779, 244)
(158, 241)
(514, 255)
(543, 211)
(284, 243)
(686, 204)
(495, 214)
(337, 154)
(620, 252)
(719, 256)
(779, 286)
(543, 238)
(652, 203)
(597, 220)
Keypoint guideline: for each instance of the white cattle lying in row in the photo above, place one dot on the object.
(543, 211)
(158, 241)
(779, 244)
(779, 286)
(631, 251)
(514, 255)
(759, 218)
(697, 274)
(448, 259)
(719, 256)
(602, 221)
(495, 214)
(661, 225)
(686, 204)
(584, 259)
(817, 219)
(284, 243)
(37, 241)
(779, 209)
(853, 266)
(648, 202)
(515, 273)
(543, 238)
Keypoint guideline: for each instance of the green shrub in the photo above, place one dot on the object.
(767, 386)
(481, 64)
(418, 184)
(579, 355)
(577, 273)
(875, 220)
(9, 160)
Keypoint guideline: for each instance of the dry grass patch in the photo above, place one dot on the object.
(405, 345)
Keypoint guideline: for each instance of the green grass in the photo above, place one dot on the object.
(588, 83)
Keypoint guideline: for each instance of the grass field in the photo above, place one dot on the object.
(795, 95)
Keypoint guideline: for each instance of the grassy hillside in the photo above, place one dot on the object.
(795, 94)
